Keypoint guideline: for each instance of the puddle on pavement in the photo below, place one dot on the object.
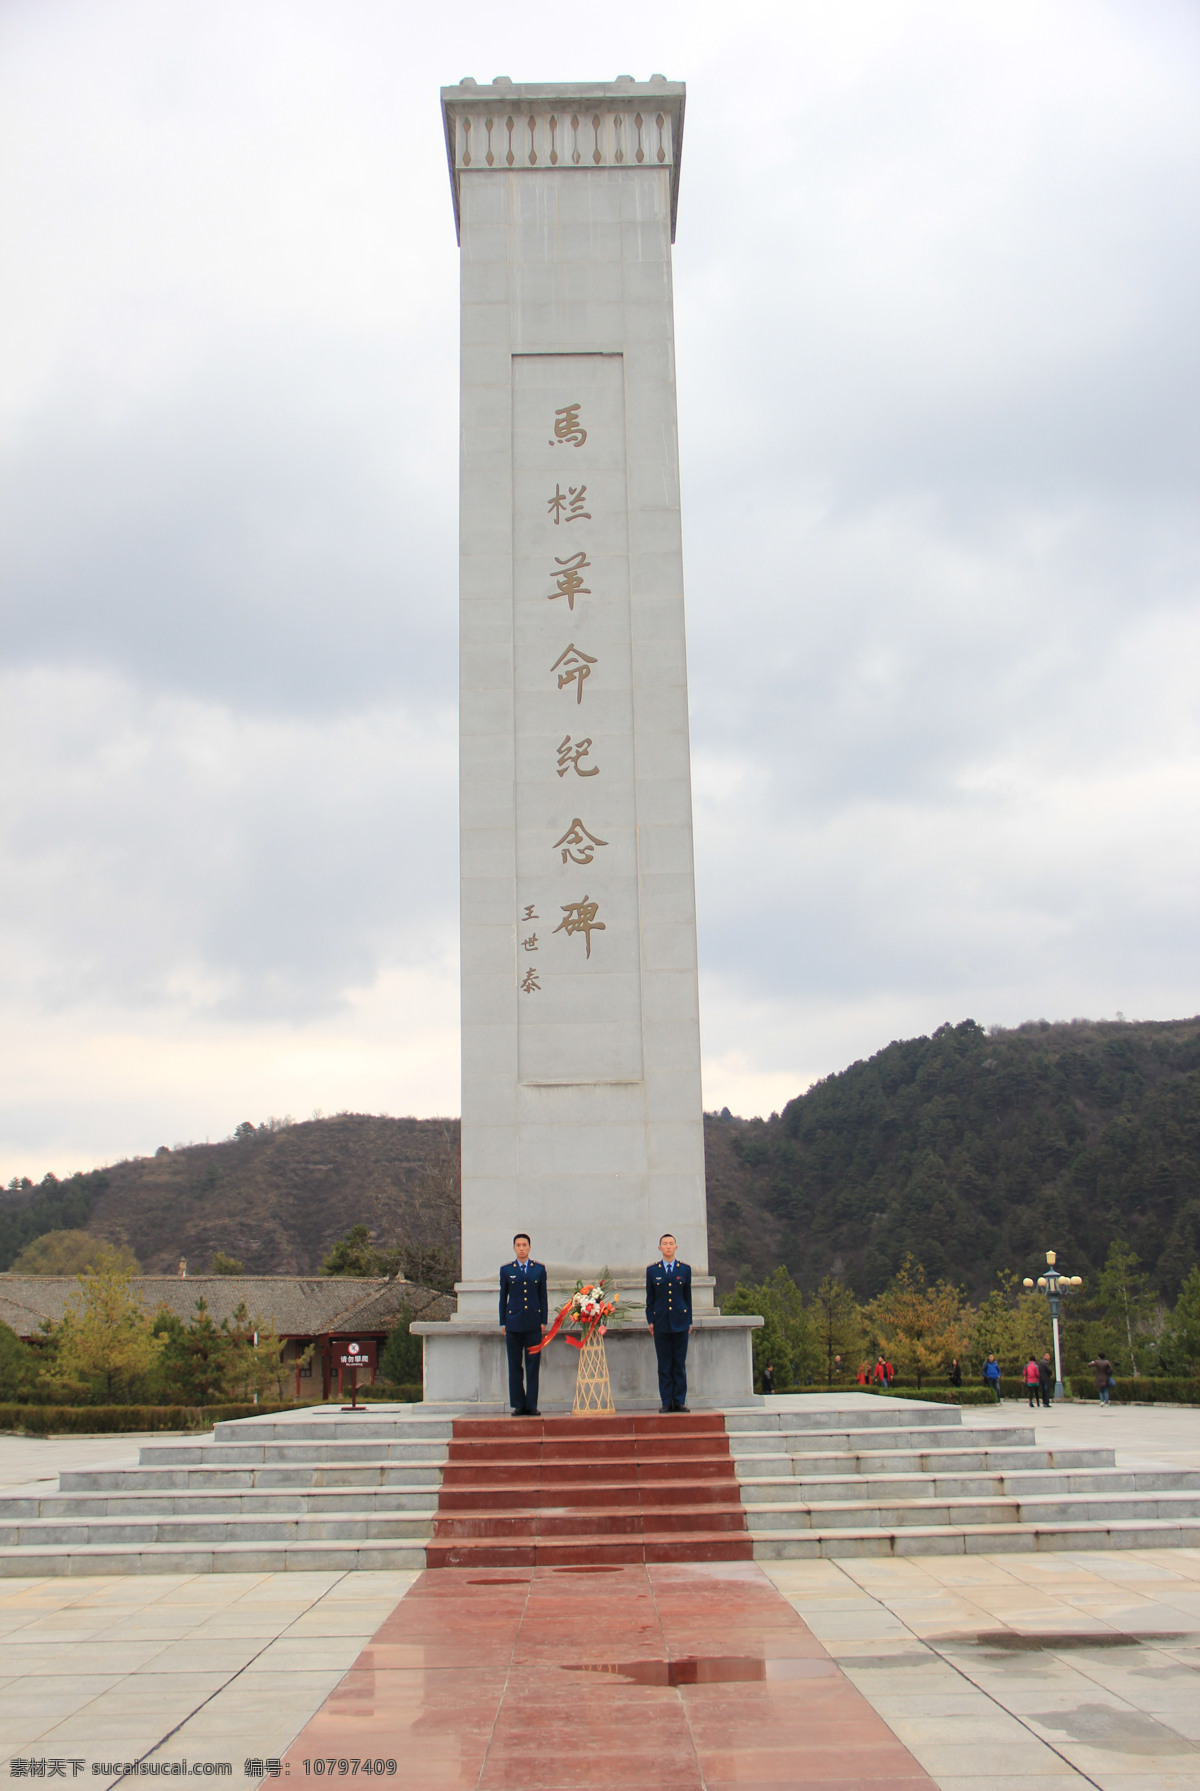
(1124, 1731)
(906, 1657)
(713, 1669)
(1012, 1641)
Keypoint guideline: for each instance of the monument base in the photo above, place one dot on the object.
(466, 1363)
(477, 1299)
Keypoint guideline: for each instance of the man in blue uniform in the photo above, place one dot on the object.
(523, 1311)
(669, 1317)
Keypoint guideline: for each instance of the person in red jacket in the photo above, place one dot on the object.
(1033, 1382)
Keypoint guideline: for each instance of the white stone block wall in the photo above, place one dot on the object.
(581, 1102)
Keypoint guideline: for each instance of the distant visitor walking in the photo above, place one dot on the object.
(1046, 1377)
(1102, 1373)
(768, 1379)
(991, 1376)
(1032, 1377)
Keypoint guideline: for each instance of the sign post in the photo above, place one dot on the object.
(353, 1358)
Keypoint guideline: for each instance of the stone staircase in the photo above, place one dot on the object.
(559, 1491)
(321, 1491)
(911, 1479)
(401, 1488)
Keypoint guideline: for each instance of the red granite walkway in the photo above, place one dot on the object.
(667, 1677)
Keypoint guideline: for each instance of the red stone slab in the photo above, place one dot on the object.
(692, 1677)
(492, 1495)
(602, 1492)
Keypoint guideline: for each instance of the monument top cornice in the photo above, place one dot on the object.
(509, 127)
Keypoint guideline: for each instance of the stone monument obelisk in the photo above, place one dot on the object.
(581, 1100)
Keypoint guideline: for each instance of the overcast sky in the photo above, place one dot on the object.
(936, 291)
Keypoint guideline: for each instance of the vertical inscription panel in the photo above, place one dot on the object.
(578, 955)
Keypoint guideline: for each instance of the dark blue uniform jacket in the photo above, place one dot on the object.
(669, 1297)
(523, 1301)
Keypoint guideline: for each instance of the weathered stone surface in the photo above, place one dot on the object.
(466, 1362)
(581, 1054)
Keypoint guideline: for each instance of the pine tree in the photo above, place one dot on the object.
(1124, 1296)
(400, 1360)
(838, 1323)
(1181, 1343)
(787, 1339)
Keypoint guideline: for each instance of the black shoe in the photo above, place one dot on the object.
(665, 1410)
(531, 1414)
(680, 1408)
(516, 1412)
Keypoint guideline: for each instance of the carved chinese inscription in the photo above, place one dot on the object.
(576, 669)
(570, 752)
(567, 427)
(570, 584)
(580, 917)
(578, 845)
(569, 508)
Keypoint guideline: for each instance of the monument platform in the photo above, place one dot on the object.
(466, 1364)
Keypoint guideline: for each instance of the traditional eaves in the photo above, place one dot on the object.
(298, 1306)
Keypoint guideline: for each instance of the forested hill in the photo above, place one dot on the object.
(276, 1196)
(976, 1151)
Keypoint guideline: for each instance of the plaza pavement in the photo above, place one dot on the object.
(998, 1673)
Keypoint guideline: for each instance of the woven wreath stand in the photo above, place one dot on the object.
(593, 1391)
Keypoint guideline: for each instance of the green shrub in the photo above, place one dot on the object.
(391, 1392)
(1144, 1390)
(97, 1420)
(942, 1394)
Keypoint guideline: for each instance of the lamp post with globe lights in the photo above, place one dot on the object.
(1054, 1285)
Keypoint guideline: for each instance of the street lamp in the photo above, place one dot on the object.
(1054, 1285)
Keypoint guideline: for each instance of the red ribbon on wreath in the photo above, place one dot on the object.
(552, 1333)
(555, 1328)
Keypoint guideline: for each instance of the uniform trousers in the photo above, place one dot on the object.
(671, 1349)
(523, 1388)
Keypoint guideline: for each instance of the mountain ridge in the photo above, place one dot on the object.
(973, 1150)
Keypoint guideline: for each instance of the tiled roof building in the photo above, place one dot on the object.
(318, 1310)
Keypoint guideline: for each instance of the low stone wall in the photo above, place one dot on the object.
(466, 1363)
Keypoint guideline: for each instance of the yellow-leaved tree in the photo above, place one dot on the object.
(1011, 1325)
(106, 1340)
(918, 1325)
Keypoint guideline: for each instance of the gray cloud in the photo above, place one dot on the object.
(267, 532)
(935, 283)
